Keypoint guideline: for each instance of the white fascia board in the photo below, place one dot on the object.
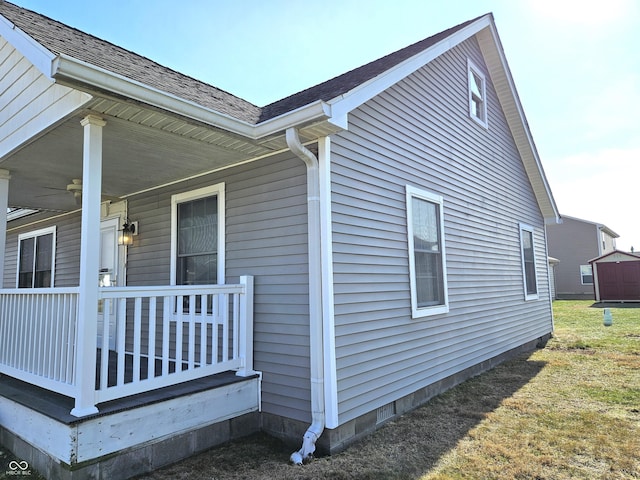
(318, 110)
(73, 71)
(39, 56)
(531, 157)
(364, 92)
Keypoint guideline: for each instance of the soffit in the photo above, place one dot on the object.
(142, 149)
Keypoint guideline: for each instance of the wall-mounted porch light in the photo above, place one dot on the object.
(129, 229)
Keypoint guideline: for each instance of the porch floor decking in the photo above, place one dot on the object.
(58, 406)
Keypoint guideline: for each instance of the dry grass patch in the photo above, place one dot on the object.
(568, 411)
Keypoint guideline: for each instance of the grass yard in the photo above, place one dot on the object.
(568, 411)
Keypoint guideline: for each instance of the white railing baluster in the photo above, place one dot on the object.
(236, 324)
(104, 348)
(204, 308)
(121, 330)
(38, 336)
(70, 330)
(225, 327)
(166, 334)
(56, 367)
(151, 347)
(215, 341)
(191, 338)
(179, 332)
(137, 338)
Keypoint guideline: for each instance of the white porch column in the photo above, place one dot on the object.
(4, 202)
(87, 328)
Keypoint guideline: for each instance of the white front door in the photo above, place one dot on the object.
(109, 273)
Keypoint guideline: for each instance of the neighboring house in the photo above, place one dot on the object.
(573, 243)
(311, 268)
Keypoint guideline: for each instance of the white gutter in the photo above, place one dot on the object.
(315, 299)
(73, 72)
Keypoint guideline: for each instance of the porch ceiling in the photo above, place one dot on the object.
(142, 148)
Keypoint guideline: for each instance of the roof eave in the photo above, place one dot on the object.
(608, 231)
(502, 79)
(76, 73)
(37, 54)
(357, 96)
(347, 102)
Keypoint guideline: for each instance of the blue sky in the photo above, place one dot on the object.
(576, 65)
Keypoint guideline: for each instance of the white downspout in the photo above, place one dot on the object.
(315, 299)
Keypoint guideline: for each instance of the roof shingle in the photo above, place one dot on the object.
(62, 39)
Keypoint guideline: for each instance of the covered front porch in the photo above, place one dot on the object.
(98, 372)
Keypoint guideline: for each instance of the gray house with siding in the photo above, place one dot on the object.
(195, 268)
(575, 242)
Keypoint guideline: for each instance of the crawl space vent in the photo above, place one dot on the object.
(386, 412)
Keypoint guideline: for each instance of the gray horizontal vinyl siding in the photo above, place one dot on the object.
(266, 236)
(67, 268)
(419, 133)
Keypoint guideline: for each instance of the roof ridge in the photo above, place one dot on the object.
(345, 82)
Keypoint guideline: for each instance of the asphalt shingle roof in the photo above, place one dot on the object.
(62, 39)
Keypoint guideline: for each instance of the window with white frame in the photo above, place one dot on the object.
(477, 94)
(586, 275)
(528, 262)
(427, 261)
(36, 258)
(197, 237)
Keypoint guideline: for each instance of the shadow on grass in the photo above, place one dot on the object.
(616, 305)
(405, 448)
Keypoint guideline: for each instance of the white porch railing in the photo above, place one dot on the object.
(163, 336)
(38, 336)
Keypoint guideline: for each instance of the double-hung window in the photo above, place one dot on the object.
(477, 94)
(586, 275)
(427, 262)
(36, 258)
(198, 236)
(528, 262)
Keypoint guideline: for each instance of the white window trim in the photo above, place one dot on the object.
(582, 276)
(33, 234)
(419, 312)
(218, 190)
(472, 68)
(528, 228)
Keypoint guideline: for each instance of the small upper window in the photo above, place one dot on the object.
(427, 263)
(586, 274)
(477, 94)
(36, 258)
(528, 262)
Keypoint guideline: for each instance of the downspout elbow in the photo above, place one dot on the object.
(303, 153)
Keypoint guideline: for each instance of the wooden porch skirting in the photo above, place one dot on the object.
(128, 436)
